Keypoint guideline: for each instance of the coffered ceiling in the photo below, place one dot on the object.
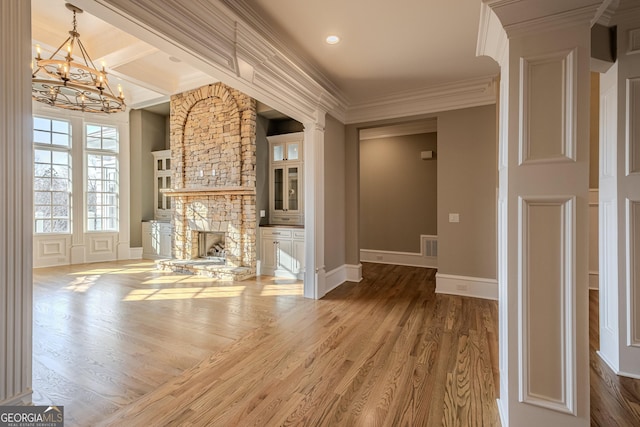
(387, 48)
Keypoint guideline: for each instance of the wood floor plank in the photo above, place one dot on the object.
(122, 344)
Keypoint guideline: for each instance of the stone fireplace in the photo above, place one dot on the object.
(212, 133)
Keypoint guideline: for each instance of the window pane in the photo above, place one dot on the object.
(60, 171)
(60, 139)
(41, 137)
(60, 226)
(60, 157)
(59, 184)
(93, 143)
(42, 170)
(42, 211)
(41, 124)
(94, 131)
(42, 198)
(109, 144)
(60, 126)
(42, 156)
(60, 198)
(42, 184)
(278, 153)
(292, 151)
(61, 211)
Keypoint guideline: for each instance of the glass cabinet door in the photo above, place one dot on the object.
(292, 188)
(278, 152)
(292, 151)
(278, 189)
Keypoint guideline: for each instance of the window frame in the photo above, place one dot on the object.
(102, 152)
(53, 148)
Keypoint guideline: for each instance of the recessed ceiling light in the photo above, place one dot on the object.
(174, 59)
(333, 39)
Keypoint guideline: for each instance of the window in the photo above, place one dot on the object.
(102, 178)
(51, 175)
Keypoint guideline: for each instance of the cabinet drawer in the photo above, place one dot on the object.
(276, 232)
(298, 234)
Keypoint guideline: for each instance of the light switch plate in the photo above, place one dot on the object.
(262, 213)
(454, 217)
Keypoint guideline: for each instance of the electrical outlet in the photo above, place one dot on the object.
(454, 217)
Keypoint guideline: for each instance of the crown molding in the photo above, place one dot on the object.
(519, 18)
(492, 38)
(411, 128)
(242, 9)
(213, 38)
(450, 96)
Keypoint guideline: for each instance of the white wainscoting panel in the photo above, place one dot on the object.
(546, 255)
(633, 271)
(101, 247)
(50, 250)
(476, 287)
(593, 240)
(633, 126)
(548, 107)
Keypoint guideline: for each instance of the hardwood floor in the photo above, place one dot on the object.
(123, 344)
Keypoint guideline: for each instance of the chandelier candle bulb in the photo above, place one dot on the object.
(38, 51)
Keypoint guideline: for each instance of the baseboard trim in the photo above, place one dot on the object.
(476, 287)
(23, 399)
(135, 253)
(344, 273)
(614, 369)
(410, 259)
(594, 280)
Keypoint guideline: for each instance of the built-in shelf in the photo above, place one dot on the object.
(210, 191)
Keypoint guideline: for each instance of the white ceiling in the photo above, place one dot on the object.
(386, 48)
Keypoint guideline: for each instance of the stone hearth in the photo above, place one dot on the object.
(213, 157)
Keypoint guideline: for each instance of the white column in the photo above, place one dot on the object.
(620, 198)
(544, 54)
(313, 152)
(15, 203)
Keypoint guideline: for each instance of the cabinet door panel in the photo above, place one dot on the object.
(284, 255)
(293, 151)
(278, 189)
(298, 255)
(268, 253)
(292, 189)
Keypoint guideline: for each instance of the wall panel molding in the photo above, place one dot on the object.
(633, 272)
(16, 201)
(548, 108)
(546, 304)
(633, 126)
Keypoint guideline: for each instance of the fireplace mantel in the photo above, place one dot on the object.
(210, 191)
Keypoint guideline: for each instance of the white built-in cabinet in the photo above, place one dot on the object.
(156, 234)
(285, 179)
(282, 252)
(156, 239)
(162, 181)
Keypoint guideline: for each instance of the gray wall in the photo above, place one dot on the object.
(147, 134)
(334, 202)
(398, 192)
(262, 169)
(467, 185)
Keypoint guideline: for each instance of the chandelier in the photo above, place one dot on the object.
(61, 82)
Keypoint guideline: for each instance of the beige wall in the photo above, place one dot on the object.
(467, 185)
(334, 202)
(398, 192)
(147, 134)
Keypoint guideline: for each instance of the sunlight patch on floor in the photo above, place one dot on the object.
(184, 293)
(82, 284)
(281, 290)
